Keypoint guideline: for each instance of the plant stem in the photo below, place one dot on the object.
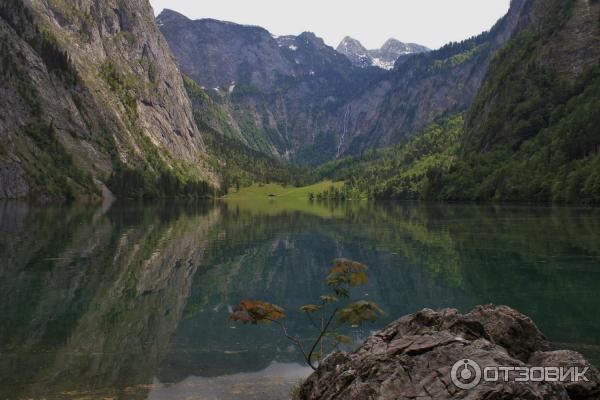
(294, 340)
(323, 332)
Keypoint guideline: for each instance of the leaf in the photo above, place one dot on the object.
(347, 273)
(328, 299)
(343, 339)
(254, 312)
(310, 308)
(241, 316)
(359, 312)
(316, 355)
(358, 278)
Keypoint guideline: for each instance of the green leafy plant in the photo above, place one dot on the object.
(325, 315)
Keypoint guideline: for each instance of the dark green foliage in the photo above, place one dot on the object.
(55, 173)
(401, 171)
(56, 60)
(560, 163)
(515, 101)
(532, 134)
(241, 166)
(347, 192)
(130, 183)
(122, 86)
(18, 16)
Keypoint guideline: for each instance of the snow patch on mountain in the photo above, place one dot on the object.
(384, 58)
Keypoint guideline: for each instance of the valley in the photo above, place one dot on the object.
(188, 204)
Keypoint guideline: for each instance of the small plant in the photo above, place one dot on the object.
(326, 316)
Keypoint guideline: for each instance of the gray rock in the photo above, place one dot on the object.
(12, 182)
(566, 358)
(511, 330)
(413, 357)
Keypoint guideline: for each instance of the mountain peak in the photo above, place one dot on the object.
(384, 58)
(168, 15)
(311, 38)
(400, 48)
(391, 42)
(355, 52)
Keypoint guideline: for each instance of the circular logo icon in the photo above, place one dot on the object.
(466, 374)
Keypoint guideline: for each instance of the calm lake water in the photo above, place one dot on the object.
(132, 301)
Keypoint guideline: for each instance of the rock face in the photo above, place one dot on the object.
(385, 57)
(298, 99)
(355, 51)
(413, 358)
(87, 85)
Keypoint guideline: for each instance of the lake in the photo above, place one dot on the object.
(131, 301)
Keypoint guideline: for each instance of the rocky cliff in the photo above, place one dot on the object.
(414, 358)
(86, 87)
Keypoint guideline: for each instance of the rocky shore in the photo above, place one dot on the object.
(413, 358)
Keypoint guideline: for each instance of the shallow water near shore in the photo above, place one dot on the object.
(132, 301)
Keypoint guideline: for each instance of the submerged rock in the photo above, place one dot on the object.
(413, 358)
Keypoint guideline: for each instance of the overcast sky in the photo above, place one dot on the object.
(432, 23)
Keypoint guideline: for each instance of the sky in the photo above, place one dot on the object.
(432, 23)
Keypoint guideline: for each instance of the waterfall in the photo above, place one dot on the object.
(344, 131)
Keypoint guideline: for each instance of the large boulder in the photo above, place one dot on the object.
(413, 358)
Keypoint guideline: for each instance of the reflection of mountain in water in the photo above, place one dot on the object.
(434, 257)
(93, 300)
(136, 300)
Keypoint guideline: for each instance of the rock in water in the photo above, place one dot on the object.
(413, 357)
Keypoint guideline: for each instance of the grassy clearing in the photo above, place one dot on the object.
(275, 199)
(274, 191)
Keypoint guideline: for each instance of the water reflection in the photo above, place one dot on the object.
(132, 301)
(273, 382)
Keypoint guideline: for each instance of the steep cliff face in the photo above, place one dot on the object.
(88, 86)
(315, 105)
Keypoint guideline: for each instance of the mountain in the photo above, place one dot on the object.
(531, 133)
(385, 57)
(268, 92)
(90, 92)
(533, 128)
(300, 100)
(356, 52)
